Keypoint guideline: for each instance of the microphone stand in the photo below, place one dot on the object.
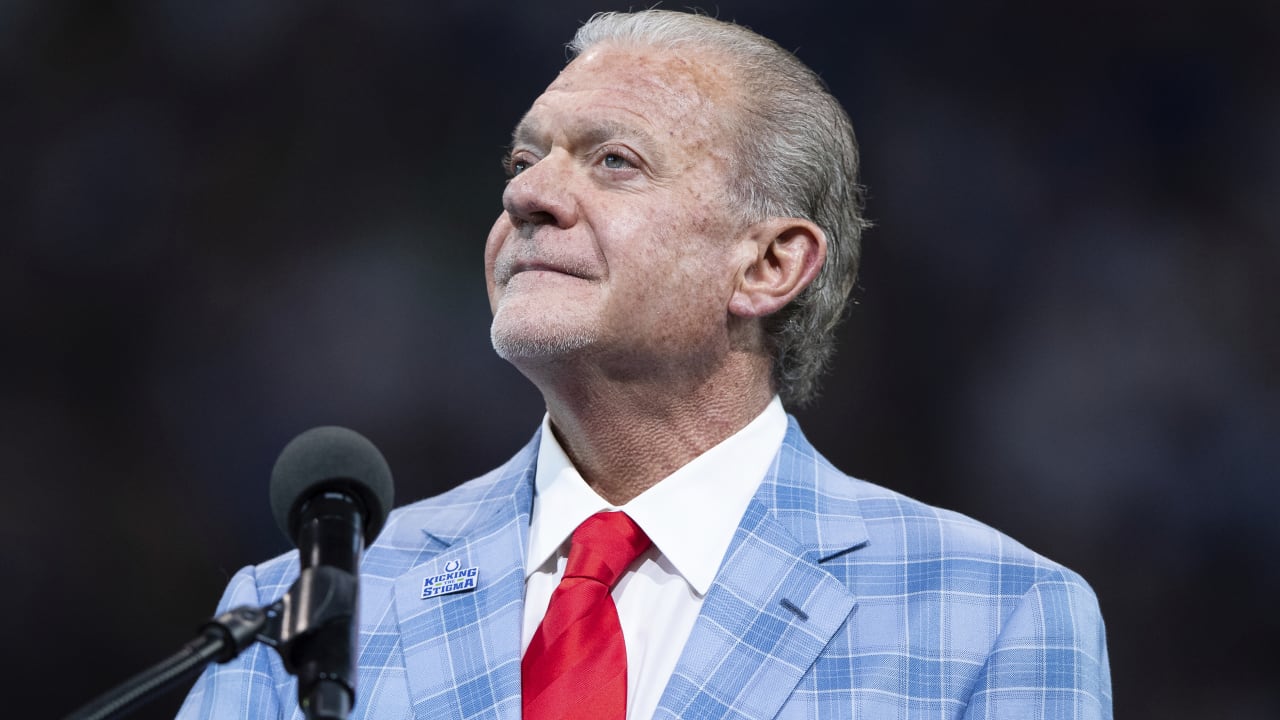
(320, 603)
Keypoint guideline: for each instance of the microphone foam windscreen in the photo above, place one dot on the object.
(330, 457)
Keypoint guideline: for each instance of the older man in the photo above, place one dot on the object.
(678, 237)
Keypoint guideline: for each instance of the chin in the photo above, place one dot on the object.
(535, 340)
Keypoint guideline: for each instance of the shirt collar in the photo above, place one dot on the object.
(690, 515)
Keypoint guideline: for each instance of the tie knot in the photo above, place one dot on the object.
(604, 546)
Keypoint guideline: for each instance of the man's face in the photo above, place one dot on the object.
(617, 242)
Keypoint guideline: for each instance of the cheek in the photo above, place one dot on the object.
(619, 233)
(670, 245)
(497, 239)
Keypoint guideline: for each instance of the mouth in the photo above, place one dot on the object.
(533, 266)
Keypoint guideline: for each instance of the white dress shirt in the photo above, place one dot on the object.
(690, 516)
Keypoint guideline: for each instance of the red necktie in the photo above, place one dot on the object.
(576, 664)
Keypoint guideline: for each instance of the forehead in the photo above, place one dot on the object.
(657, 92)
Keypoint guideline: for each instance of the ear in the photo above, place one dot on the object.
(789, 254)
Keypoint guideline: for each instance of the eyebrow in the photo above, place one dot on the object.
(526, 132)
(589, 132)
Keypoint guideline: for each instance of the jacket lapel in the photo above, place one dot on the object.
(772, 608)
(462, 645)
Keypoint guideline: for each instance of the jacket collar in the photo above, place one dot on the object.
(812, 501)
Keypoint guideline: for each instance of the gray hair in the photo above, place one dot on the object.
(800, 159)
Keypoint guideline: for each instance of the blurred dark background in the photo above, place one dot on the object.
(224, 223)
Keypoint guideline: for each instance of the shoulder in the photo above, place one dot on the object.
(903, 529)
(938, 548)
(971, 567)
(924, 546)
(1015, 633)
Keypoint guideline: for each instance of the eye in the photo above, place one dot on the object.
(618, 159)
(515, 164)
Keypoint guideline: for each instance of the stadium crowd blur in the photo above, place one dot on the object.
(224, 223)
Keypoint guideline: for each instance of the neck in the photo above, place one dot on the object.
(625, 436)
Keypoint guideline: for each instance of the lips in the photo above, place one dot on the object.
(509, 269)
(521, 267)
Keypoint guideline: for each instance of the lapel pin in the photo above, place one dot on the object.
(455, 578)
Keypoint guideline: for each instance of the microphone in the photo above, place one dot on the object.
(331, 491)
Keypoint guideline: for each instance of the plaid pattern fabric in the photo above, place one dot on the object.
(837, 599)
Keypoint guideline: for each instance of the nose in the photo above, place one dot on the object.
(541, 194)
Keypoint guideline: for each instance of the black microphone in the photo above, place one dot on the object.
(331, 491)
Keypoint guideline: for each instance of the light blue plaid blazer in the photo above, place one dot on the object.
(836, 599)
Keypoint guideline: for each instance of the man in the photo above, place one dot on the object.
(678, 238)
